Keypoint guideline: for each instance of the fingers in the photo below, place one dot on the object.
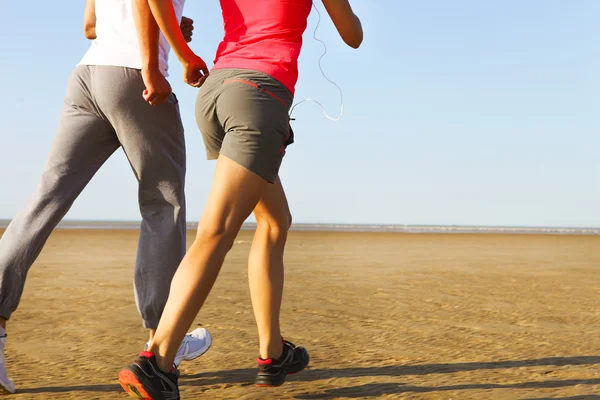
(157, 87)
(196, 84)
(155, 98)
(196, 78)
(149, 96)
(187, 33)
(187, 28)
(192, 81)
(195, 71)
(186, 21)
(201, 82)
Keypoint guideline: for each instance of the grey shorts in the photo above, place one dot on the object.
(243, 115)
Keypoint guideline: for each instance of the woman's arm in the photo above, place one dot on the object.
(346, 22)
(89, 20)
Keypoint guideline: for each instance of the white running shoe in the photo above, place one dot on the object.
(6, 385)
(193, 346)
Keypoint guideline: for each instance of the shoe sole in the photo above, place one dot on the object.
(193, 356)
(266, 385)
(132, 385)
(4, 391)
(286, 375)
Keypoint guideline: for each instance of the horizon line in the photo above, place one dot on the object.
(348, 227)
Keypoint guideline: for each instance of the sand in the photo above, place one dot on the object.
(383, 316)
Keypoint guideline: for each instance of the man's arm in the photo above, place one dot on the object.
(157, 87)
(165, 16)
(148, 33)
(195, 70)
(89, 20)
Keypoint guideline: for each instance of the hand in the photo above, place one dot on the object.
(187, 28)
(195, 71)
(157, 87)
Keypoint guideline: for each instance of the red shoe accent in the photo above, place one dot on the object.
(132, 385)
(265, 385)
(268, 361)
(146, 354)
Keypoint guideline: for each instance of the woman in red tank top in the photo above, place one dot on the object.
(242, 112)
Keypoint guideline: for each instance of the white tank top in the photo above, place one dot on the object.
(116, 40)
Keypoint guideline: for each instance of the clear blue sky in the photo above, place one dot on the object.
(461, 112)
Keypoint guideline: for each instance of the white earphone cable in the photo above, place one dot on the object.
(325, 76)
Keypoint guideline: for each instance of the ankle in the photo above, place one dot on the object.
(273, 350)
(160, 360)
(163, 364)
(3, 323)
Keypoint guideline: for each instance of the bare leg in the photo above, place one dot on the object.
(235, 192)
(265, 267)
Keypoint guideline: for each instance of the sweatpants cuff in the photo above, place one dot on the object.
(148, 324)
(5, 313)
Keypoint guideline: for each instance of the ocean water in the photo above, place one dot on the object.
(355, 228)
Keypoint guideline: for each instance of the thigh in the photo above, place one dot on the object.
(84, 139)
(234, 193)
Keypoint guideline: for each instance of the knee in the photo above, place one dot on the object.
(160, 195)
(275, 228)
(53, 179)
(57, 183)
(215, 236)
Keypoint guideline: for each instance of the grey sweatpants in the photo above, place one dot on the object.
(104, 110)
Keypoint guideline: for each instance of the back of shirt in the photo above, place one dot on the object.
(116, 40)
(265, 36)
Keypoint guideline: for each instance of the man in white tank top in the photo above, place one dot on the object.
(116, 39)
(117, 97)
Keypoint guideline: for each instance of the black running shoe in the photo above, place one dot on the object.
(145, 380)
(273, 372)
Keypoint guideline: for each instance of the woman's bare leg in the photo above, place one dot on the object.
(265, 266)
(235, 192)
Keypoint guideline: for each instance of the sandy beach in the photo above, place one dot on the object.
(383, 315)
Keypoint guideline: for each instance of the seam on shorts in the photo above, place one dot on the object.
(258, 87)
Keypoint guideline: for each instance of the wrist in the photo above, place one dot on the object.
(150, 64)
(185, 55)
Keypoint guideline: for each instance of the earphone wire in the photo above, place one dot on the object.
(324, 75)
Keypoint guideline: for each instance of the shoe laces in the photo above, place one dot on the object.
(188, 338)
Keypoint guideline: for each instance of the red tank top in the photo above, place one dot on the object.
(264, 35)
